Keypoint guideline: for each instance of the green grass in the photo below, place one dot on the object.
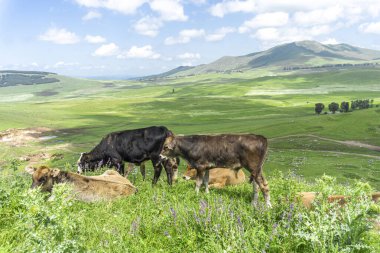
(301, 142)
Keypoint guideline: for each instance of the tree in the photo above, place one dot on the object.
(333, 107)
(319, 107)
(345, 106)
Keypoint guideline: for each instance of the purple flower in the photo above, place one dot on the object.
(174, 213)
(135, 225)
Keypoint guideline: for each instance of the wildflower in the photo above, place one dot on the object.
(135, 226)
(174, 213)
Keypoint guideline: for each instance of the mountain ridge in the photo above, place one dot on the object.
(299, 53)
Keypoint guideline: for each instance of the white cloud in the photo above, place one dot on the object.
(170, 10)
(232, 6)
(94, 39)
(185, 36)
(148, 26)
(92, 15)
(318, 17)
(189, 56)
(59, 36)
(220, 34)
(107, 50)
(123, 6)
(370, 27)
(270, 19)
(273, 36)
(62, 64)
(140, 52)
(330, 41)
(198, 2)
(267, 34)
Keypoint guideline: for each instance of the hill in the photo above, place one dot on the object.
(14, 77)
(295, 55)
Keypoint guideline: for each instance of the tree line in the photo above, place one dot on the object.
(344, 106)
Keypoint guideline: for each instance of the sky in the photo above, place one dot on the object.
(91, 38)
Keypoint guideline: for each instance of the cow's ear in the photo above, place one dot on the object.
(55, 172)
(30, 170)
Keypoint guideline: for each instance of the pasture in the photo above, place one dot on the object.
(303, 147)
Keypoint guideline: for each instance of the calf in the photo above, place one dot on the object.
(133, 146)
(234, 151)
(218, 177)
(307, 198)
(108, 186)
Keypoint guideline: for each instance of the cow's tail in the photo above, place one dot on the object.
(264, 153)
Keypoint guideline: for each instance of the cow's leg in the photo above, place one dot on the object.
(175, 172)
(169, 169)
(199, 180)
(142, 170)
(255, 168)
(264, 187)
(120, 168)
(129, 169)
(205, 180)
(157, 170)
(255, 192)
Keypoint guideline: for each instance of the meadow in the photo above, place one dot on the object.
(303, 147)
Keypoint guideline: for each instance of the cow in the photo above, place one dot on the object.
(133, 146)
(218, 177)
(307, 198)
(108, 186)
(233, 151)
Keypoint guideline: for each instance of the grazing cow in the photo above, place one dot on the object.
(307, 198)
(133, 146)
(234, 151)
(218, 177)
(108, 186)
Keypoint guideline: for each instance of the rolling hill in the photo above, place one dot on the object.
(295, 55)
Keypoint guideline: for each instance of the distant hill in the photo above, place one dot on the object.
(295, 55)
(14, 77)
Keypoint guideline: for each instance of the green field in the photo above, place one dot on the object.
(303, 147)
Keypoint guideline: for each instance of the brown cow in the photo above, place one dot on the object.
(234, 151)
(307, 198)
(108, 186)
(219, 177)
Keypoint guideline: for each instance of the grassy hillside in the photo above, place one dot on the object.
(303, 147)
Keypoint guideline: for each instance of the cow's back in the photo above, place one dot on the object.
(97, 188)
(139, 145)
(226, 151)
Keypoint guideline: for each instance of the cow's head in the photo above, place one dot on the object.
(172, 163)
(168, 149)
(43, 177)
(86, 161)
(190, 173)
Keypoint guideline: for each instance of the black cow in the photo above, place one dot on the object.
(133, 146)
(234, 151)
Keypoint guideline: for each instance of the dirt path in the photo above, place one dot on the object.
(347, 143)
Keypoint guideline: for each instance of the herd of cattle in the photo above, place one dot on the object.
(213, 160)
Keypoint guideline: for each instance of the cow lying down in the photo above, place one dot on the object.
(107, 186)
(218, 177)
(307, 198)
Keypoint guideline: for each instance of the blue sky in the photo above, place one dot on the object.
(141, 37)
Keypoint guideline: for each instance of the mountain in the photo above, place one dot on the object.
(302, 54)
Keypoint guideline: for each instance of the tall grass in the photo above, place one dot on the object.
(175, 219)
